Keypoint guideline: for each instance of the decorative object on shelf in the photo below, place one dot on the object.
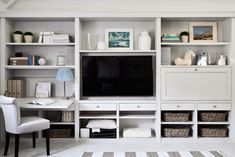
(184, 36)
(19, 54)
(18, 37)
(166, 55)
(222, 60)
(119, 39)
(61, 59)
(42, 61)
(92, 40)
(64, 74)
(40, 39)
(187, 60)
(47, 37)
(203, 31)
(201, 59)
(28, 37)
(101, 45)
(137, 132)
(170, 38)
(144, 41)
(33, 59)
(18, 61)
(43, 90)
(85, 132)
(211, 58)
(60, 38)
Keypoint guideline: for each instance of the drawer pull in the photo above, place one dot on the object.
(215, 106)
(97, 106)
(195, 69)
(138, 106)
(178, 106)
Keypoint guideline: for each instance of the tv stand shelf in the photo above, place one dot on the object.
(177, 89)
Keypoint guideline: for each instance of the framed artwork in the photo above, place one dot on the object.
(203, 31)
(119, 39)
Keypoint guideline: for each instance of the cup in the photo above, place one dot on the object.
(92, 40)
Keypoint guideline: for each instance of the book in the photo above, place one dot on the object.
(20, 88)
(9, 88)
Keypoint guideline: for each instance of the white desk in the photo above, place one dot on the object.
(60, 104)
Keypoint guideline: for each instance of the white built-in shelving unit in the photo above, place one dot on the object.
(176, 88)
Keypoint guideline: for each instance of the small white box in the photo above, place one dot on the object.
(85, 132)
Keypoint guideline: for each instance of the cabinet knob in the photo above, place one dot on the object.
(138, 106)
(178, 106)
(195, 69)
(215, 106)
(97, 106)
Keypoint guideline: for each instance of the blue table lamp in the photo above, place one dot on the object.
(64, 74)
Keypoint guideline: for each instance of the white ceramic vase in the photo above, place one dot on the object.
(184, 39)
(28, 38)
(144, 41)
(18, 38)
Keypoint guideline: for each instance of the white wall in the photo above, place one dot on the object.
(111, 6)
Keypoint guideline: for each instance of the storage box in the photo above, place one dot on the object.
(213, 116)
(60, 133)
(103, 133)
(176, 117)
(176, 132)
(214, 132)
(84, 132)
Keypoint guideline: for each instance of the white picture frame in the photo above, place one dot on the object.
(43, 90)
(119, 39)
(203, 32)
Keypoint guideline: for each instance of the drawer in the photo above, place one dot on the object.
(136, 107)
(215, 106)
(168, 107)
(97, 107)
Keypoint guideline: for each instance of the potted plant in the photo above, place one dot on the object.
(18, 36)
(28, 37)
(184, 36)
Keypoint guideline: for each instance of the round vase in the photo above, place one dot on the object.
(28, 38)
(184, 38)
(42, 61)
(18, 38)
(144, 41)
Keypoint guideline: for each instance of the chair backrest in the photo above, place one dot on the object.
(11, 113)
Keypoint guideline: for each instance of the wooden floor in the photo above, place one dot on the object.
(71, 148)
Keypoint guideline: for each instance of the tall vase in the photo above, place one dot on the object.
(144, 41)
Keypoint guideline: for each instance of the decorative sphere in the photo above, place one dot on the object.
(42, 61)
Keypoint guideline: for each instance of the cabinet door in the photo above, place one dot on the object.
(196, 83)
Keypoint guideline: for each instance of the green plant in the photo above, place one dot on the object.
(184, 33)
(28, 33)
(18, 32)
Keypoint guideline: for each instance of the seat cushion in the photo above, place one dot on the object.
(32, 124)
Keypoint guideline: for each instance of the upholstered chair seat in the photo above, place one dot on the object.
(15, 124)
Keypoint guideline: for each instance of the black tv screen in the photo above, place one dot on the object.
(117, 76)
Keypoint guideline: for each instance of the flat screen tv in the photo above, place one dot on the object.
(117, 76)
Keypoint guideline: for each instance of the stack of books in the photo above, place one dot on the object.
(170, 38)
(63, 38)
(18, 61)
(33, 60)
(67, 116)
(16, 88)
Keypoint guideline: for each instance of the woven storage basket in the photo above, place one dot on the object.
(214, 132)
(213, 116)
(60, 133)
(176, 117)
(176, 132)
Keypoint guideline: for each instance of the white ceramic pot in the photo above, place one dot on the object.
(144, 41)
(184, 38)
(28, 38)
(42, 61)
(18, 38)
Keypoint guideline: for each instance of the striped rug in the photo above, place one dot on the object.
(155, 154)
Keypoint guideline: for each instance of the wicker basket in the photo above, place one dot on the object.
(214, 132)
(213, 116)
(176, 132)
(60, 133)
(176, 117)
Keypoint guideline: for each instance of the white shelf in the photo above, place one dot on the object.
(136, 116)
(40, 44)
(29, 67)
(176, 123)
(214, 123)
(98, 116)
(196, 44)
(124, 51)
(62, 123)
(195, 66)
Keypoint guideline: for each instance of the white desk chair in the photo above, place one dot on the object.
(16, 125)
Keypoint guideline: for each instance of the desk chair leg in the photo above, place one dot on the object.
(7, 143)
(34, 139)
(17, 139)
(48, 141)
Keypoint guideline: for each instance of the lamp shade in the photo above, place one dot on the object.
(64, 74)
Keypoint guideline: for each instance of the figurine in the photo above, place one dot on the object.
(222, 60)
(202, 59)
(187, 60)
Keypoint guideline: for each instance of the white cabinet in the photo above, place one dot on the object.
(97, 107)
(214, 106)
(196, 83)
(176, 106)
(136, 107)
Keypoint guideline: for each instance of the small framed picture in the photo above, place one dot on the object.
(119, 39)
(203, 31)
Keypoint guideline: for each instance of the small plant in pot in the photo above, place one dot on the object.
(18, 37)
(28, 37)
(184, 36)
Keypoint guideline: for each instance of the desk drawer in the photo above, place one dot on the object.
(97, 107)
(215, 106)
(177, 107)
(137, 107)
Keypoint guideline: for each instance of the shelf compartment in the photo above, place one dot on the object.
(137, 115)
(98, 115)
(32, 67)
(59, 131)
(40, 44)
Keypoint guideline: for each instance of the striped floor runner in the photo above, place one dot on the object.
(154, 154)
